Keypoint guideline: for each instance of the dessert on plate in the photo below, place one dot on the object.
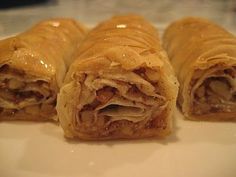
(32, 68)
(203, 56)
(121, 84)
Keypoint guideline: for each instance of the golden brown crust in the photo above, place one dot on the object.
(123, 52)
(41, 54)
(45, 49)
(29, 117)
(201, 52)
(215, 117)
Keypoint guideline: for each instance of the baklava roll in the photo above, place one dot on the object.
(32, 68)
(120, 86)
(203, 56)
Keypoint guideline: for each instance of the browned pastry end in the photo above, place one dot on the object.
(32, 68)
(203, 56)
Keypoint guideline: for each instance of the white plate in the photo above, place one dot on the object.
(195, 149)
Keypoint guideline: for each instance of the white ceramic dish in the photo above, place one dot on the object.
(195, 149)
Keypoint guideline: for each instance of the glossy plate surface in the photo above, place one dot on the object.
(196, 149)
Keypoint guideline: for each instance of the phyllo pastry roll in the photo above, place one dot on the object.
(120, 86)
(203, 55)
(32, 68)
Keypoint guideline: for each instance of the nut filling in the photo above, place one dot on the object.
(117, 103)
(20, 93)
(216, 93)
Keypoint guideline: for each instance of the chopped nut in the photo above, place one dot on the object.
(3, 85)
(220, 88)
(213, 99)
(15, 84)
(127, 130)
(47, 108)
(105, 94)
(9, 112)
(199, 109)
(200, 92)
(7, 95)
(100, 121)
(87, 117)
(32, 109)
